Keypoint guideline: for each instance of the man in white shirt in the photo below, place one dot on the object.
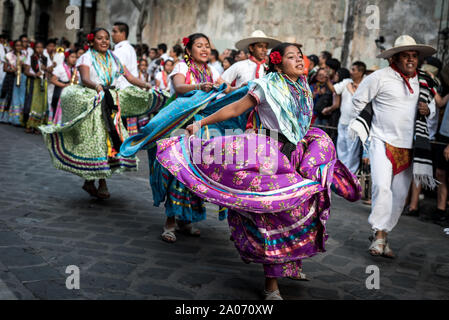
(253, 68)
(394, 93)
(125, 52)
(348, 150)
(26, 45)
(162, 51)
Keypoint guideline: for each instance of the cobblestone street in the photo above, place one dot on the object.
(47, 222)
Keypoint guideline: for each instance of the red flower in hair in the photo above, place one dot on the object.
(11, 44)
(86, 47)
(67, 54)
(185, 41)
(162, 63)
(275, 57)
(90, 37)
(32, 44)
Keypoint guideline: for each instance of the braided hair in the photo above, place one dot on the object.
(189, 46)
(281, 49)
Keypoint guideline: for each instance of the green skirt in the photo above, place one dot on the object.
(38, 109)
(81, 144)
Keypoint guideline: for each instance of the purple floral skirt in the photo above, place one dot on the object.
(278, 207)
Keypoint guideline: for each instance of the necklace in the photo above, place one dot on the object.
(302, 97)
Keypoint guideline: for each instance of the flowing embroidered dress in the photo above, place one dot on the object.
(180, 202)
(135, 124)
(87, 141)
(278, 205)
(12, 97)
(37, 90)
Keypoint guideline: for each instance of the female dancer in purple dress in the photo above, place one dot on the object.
(276, 180)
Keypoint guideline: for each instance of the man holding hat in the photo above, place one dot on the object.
(254, 67)
(394, 92)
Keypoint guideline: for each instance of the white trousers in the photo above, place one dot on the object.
(348, 150)
(388, 192)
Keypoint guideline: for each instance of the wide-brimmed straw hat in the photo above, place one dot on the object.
(256, 37)
(407, 43)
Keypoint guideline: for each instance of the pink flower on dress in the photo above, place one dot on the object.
(216, 176)
(291, 178)
(267, 203)
(241, 174)
(256, 182)
(201, 188)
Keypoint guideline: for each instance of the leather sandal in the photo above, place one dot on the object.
(300, 277)
(103, 192)
(169, 235)
(375, 248)
(388, 253)
(272, 295)
(90, 189)
(188, 229)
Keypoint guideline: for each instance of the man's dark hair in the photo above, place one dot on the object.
(230, 60)
(162, 46)
(343, 74)
(154, 49)
(326, 54)
(23, 36)
(122, 27)
(234, 53)
(333, 64)
(214, 52)
(51, 41)
(177, 49)
(360, 66)
(314, 59)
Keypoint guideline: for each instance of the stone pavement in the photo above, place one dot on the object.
(47, 222)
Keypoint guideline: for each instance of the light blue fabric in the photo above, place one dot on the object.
(179, 201)
(179, 112)
(293, 124)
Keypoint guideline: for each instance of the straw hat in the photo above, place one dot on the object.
(406, 43)
(256, 37)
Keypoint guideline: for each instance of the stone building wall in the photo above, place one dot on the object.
(318, 25)
(338, 26)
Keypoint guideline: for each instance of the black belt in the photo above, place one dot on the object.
(287, 147)
(108, 107)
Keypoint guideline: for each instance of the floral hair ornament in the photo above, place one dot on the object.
(32, 45)
(90, 37)
(86, 47)
(275, 57)
(185, 41)
(67, 54)
(11, 44)
(162, 63)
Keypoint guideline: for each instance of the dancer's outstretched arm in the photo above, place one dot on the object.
(136, 81)
(231, 111)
